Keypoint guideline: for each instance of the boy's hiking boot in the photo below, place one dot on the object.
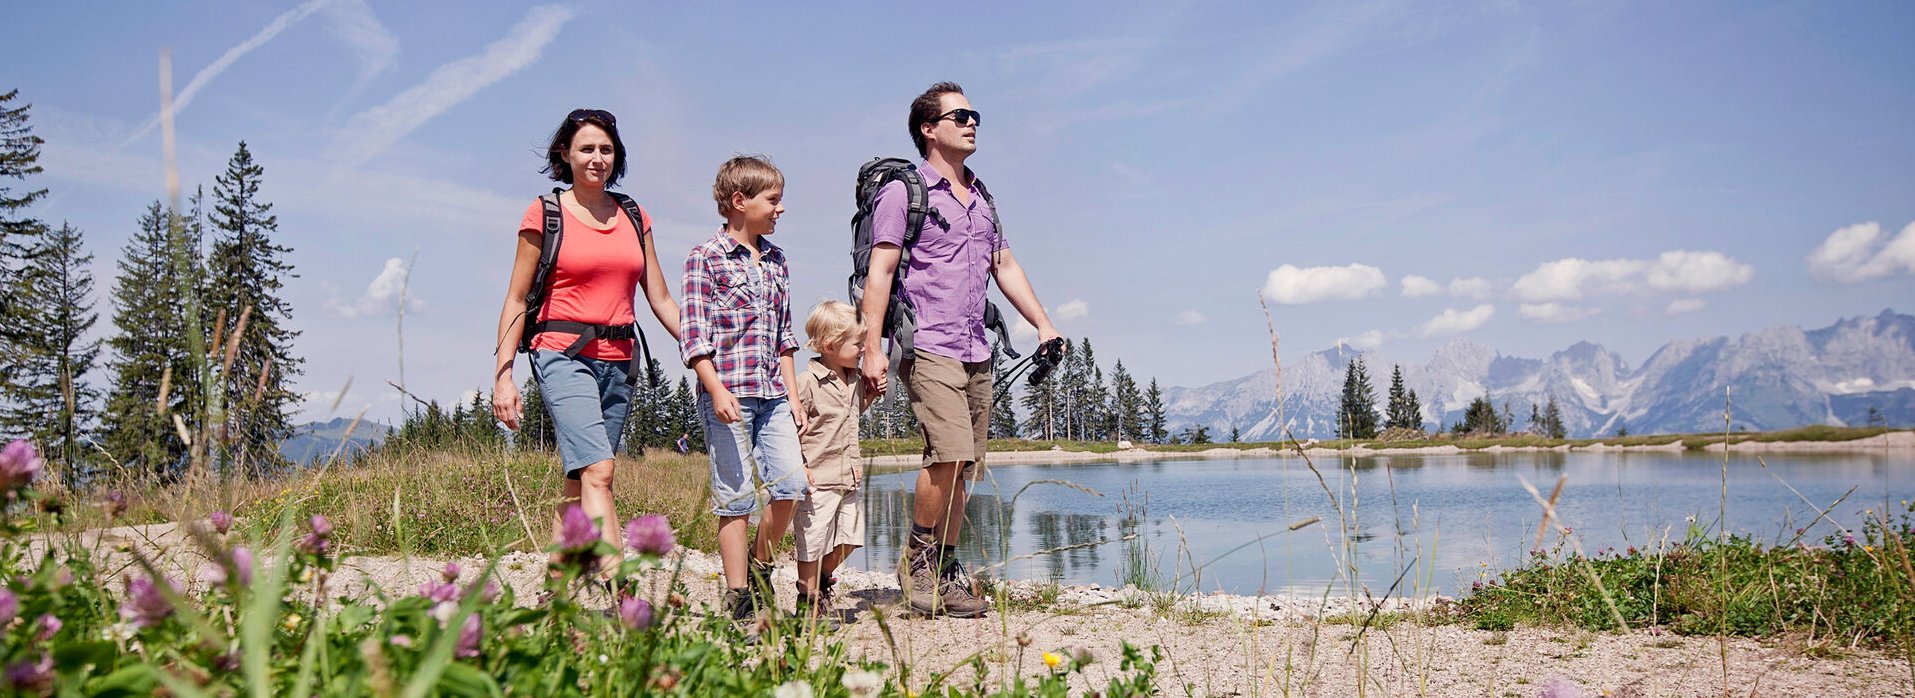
(958, 592)
(758, 580)
(741, 606)
(918, 575)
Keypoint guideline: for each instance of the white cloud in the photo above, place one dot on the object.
(1292, 285)
(1073, 309)
(1454, 321)
(1685, 271)
(1475, 287)
(372, 131)
(1863, 252)
(1190, 317)
(1418, 286)
(1366, 341)
(1553, 312)
(1685, 305)
(1569, 279)
(382, 295)
(1682, 271)
(354, 25)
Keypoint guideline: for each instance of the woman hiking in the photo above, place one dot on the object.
(581, 319)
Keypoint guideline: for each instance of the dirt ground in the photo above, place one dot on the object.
(1213, 646)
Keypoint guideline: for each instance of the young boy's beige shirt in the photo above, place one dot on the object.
(832, 403)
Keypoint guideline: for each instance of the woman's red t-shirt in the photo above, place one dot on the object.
(594, 280)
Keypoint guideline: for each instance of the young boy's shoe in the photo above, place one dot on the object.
(758, 580)
(814, 611)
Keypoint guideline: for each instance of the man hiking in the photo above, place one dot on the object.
(957, 253)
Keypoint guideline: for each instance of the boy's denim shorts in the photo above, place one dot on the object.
(766, 424)
(587, 399)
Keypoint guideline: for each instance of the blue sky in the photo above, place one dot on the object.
(1394, 176)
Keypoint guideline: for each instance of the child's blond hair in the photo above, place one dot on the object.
(830, 325)
(750, 175)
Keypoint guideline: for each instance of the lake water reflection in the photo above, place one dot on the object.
(1446, 518)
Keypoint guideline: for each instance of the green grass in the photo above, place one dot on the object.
(1844, 590)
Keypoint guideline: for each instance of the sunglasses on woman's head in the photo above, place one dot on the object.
(580, 115)
(962, 116)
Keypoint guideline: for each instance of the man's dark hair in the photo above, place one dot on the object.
(555, 165)
(924, 109)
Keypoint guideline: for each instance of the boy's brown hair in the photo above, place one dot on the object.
(750, 175)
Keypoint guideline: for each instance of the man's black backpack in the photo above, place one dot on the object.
(900, 319)
(549, 242)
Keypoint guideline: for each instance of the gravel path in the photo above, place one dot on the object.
(1213, 644)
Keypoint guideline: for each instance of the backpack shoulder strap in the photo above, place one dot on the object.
(988, 201)
(633, 212)
(551, 238)
(917, 203)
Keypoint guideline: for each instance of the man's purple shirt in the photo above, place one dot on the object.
(950, 269)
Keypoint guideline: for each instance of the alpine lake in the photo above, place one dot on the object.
(1412, 525)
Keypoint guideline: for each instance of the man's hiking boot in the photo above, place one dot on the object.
(958, 592)
(918, 575)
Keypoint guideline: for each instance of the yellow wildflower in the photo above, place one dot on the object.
(291, 623)
(1052, 659)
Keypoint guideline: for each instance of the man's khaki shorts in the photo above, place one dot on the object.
(826, 520)
(952, 400)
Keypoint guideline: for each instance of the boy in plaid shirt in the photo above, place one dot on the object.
(736, 335)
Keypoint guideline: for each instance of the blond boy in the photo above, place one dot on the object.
(831, 395)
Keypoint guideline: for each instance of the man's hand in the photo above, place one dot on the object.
(724, 406)
(875, 366)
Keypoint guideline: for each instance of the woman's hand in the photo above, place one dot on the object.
(505, 403)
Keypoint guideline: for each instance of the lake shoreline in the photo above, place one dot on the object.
(1896, 441)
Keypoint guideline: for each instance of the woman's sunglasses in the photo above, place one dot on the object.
(580, 115)
(962, 116)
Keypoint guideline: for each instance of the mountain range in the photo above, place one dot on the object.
(1775, 378)
(315, 441)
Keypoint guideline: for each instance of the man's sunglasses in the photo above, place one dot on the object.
(962, 116)
(580, 115)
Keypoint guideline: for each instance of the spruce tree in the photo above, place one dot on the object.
(1535, 419)
(684, 411)
(1401, 412)
(19, 233)
(1481, 418)
(1356, 412)
(51, 401)
(1154, 413)
(1003, 418)
(1042, 403)
(535, 424)
(246, 273)
(1127, 403)
(1553, 420)
(149, 346)
(1414, 412)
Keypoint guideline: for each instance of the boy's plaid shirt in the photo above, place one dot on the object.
(738, 313)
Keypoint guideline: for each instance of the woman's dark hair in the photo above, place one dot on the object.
(555, 165)
(924, 109)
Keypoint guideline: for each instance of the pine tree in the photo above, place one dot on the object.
(1127, 404)
(1356, 412)
(246, 273)
(149, 345)
(1235, 435)
(19, 233)
(1535, 419)
(1414, 411)
(1481, 418)
(1041, 402)
(1003, 418)
(1154, 413)
(1553, 420)
(684, 411)
(51, 400)
(1401, 410)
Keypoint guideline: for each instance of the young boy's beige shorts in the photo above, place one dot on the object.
(952, 400)
(826, 520)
